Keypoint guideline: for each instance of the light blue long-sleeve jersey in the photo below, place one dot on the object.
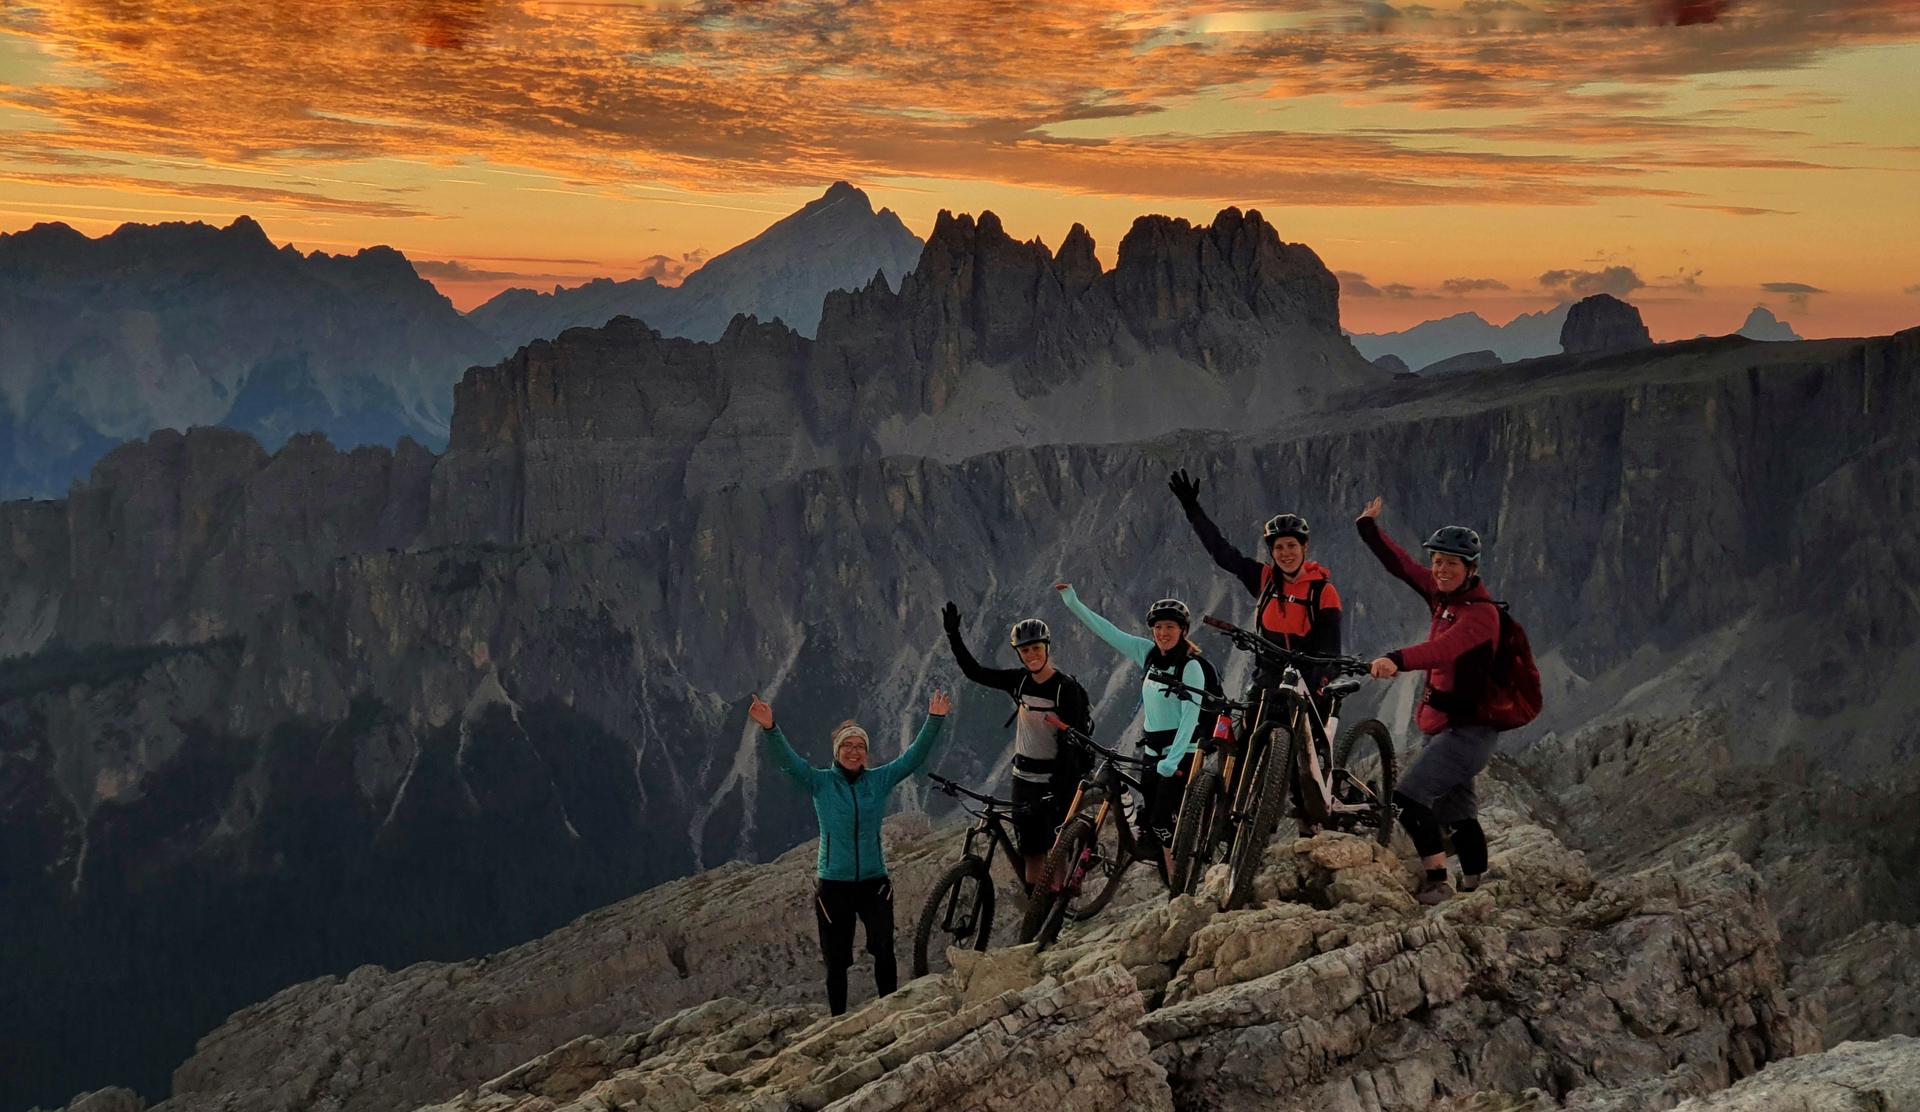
(850, 811)
(1162, 711)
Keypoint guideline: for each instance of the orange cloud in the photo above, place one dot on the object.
(790, 93)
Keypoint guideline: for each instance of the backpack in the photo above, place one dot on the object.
(1512, 698)
(1270, 589)
(1204, 728)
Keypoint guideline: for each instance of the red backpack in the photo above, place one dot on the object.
(1513, 683)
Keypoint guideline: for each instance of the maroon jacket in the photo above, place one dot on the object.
(1460, 643)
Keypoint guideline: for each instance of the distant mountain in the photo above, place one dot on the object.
(175, 325)
(1465, 361)
(1763, 325)
(836, 242)
(1526, 336)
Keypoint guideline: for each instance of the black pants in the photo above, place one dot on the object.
(1161, 806)
(835, 905)
(1035, 829)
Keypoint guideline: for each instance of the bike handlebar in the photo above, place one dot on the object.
(954, 788)
(1208, 700)
(1252, 642)
(1079, 738)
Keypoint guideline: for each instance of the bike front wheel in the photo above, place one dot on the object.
(958, 912)
(1193, 830)
(1058, 883)
(1264, 787)
(1106, 868)
(1366, 774)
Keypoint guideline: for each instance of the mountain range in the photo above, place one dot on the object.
(1527, 336)
(179, 325)
(274, 715)
(835, 242)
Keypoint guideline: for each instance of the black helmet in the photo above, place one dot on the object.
(1286, 525)
(1170, 608)
(1029, 631)
(1456, 540)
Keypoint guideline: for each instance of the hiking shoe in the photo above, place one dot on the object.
(1433, 892)
(1470, 881)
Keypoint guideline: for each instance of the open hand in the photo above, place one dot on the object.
(1184, 486)
(939, 705)
(950, 618)
(761, 713)
(1383, 669)
(1373, 509)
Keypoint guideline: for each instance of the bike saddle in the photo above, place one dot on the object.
(1341, 688)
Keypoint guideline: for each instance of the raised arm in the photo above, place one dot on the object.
(924, 743)
(1000, 679)
(1183, 740)
(1391, 556)
(775, 744)
(1231, 560)
(1127, 645)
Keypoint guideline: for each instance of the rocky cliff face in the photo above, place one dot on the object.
(835, 242)
(399, 662)
(988, 344)
(176, 325)
(1603, 323)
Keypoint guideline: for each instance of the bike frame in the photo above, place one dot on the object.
(1099, 786)
(989, 823)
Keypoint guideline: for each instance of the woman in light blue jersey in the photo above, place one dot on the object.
(1170, 723)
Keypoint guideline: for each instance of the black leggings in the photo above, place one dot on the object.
(1153, 824)
(835, 906)
(1469, 841)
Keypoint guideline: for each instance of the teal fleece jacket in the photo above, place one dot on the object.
(1162, 712)
(850, 811)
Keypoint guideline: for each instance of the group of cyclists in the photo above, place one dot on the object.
(1296, 607)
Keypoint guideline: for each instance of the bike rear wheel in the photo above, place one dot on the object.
(958, 912)
(1265, 788)
(1047, 906)
(1193, 830)
(1365, 755)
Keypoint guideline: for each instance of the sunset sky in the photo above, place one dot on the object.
(1698, 157)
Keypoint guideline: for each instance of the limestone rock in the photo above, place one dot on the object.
(1851, 1076)
(1868, 983)
(1601, 324)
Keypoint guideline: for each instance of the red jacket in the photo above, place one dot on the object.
(1460, 642)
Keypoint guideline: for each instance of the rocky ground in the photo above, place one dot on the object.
(1549, 987)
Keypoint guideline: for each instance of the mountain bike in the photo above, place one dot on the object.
(1203, 829)
(959, 909)
(1089, 858)
(1291, 754)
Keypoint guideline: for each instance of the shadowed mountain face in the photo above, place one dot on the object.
(383, 706)
(836, 242)
(176, 325)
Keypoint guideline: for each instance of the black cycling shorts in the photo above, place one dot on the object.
(1034, 831)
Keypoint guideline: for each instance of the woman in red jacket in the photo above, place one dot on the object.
(1437, 790)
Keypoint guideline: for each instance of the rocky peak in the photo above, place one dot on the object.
(1761, 324)
(1603, 323)
(1171, 273)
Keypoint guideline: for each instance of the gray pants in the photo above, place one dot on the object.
(1441, 777)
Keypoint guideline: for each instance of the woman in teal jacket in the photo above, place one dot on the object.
(850, 800)
(1170, 723)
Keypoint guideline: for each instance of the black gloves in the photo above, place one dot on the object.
(1184, 487)
(950, 618)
